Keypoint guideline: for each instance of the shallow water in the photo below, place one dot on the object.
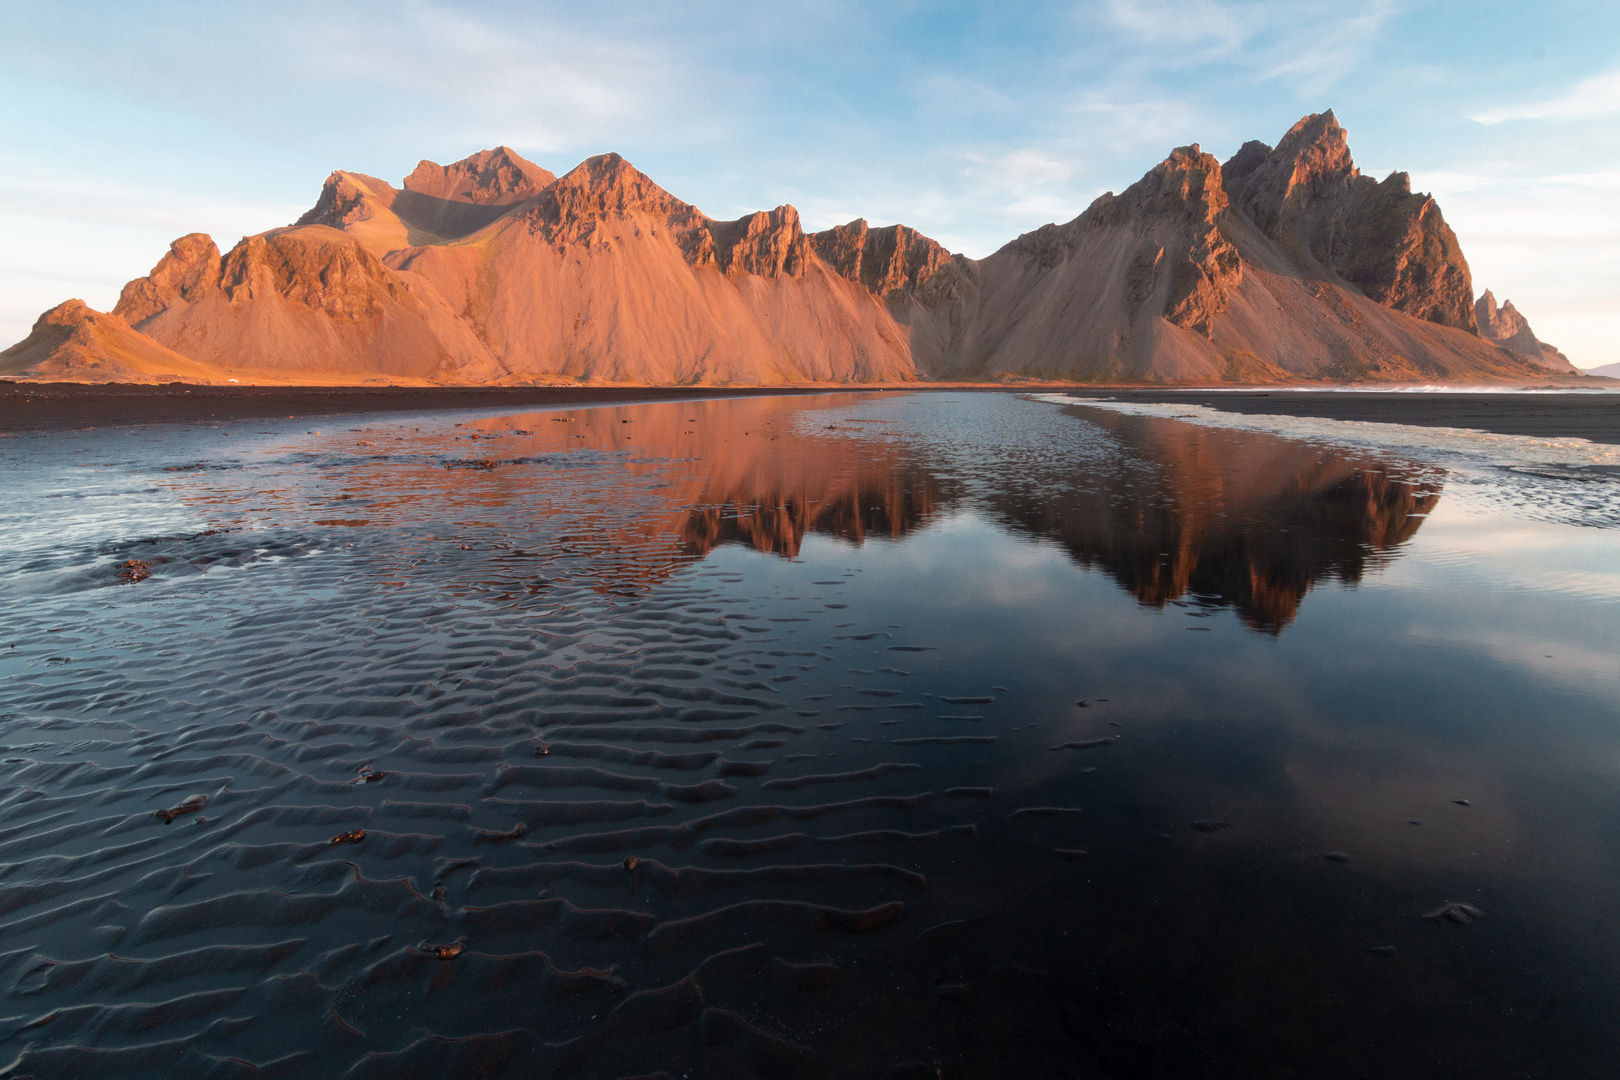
(867, 735)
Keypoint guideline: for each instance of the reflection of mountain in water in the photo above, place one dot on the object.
(755, 477)
(864, 498)
(1228, 517)
(1168, 509)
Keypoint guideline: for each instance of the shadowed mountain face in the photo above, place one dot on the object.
(1174, 512)
(1282, 264)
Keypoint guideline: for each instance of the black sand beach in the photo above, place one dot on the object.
(1544, 415)
(64, 406)
(873, 735)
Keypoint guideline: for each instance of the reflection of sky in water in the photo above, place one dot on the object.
(1317, 645)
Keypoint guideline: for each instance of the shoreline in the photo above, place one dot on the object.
(1593, 417)
(42, 407)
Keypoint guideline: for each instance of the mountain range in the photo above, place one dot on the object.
(1282, 264)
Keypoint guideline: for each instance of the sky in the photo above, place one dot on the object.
(125, 125)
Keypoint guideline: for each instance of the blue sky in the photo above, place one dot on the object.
(125, 125)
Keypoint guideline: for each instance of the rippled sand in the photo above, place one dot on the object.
(833, 736)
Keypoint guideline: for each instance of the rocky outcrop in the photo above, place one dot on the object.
(308, 302)
(606, 188)
(1397, 249)
(1310, 168)
(1198, 269)
(498, 177)
(1126, 290)
(889, 261)
(437, 203)
(1507, 328)
(1285, 263)
(765, 244)
(1394, 246)
(182, 276)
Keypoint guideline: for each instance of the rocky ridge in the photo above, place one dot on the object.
(1283, 264)
(1509, 329)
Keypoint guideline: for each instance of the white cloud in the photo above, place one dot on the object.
(1597, 96)
(1308, 44)
(1206, 23)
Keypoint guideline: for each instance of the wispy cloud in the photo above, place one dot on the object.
(1597, 96)
(1206, 24)
(1309, 44)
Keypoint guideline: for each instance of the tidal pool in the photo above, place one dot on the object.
(868, 735)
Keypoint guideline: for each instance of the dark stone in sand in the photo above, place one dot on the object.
(1337, 856)
(190, 805)
(1211, 825)
(1462, 802)
(445, 952)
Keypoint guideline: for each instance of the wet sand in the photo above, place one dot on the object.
(859, 735)
(1549, 415)
(64, 406)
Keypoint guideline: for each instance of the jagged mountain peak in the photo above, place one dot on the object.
(1240, 166)
(499, 176)
(1187, 183)
(348, 198)
(190, 267)
(1310, 165)
(1511, 330)
(604, 185)
(1283, 262)
(889, 260)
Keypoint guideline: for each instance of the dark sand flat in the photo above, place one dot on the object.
(61, 406)
(1543, 415)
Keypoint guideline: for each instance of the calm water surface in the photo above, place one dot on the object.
(865, 735)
